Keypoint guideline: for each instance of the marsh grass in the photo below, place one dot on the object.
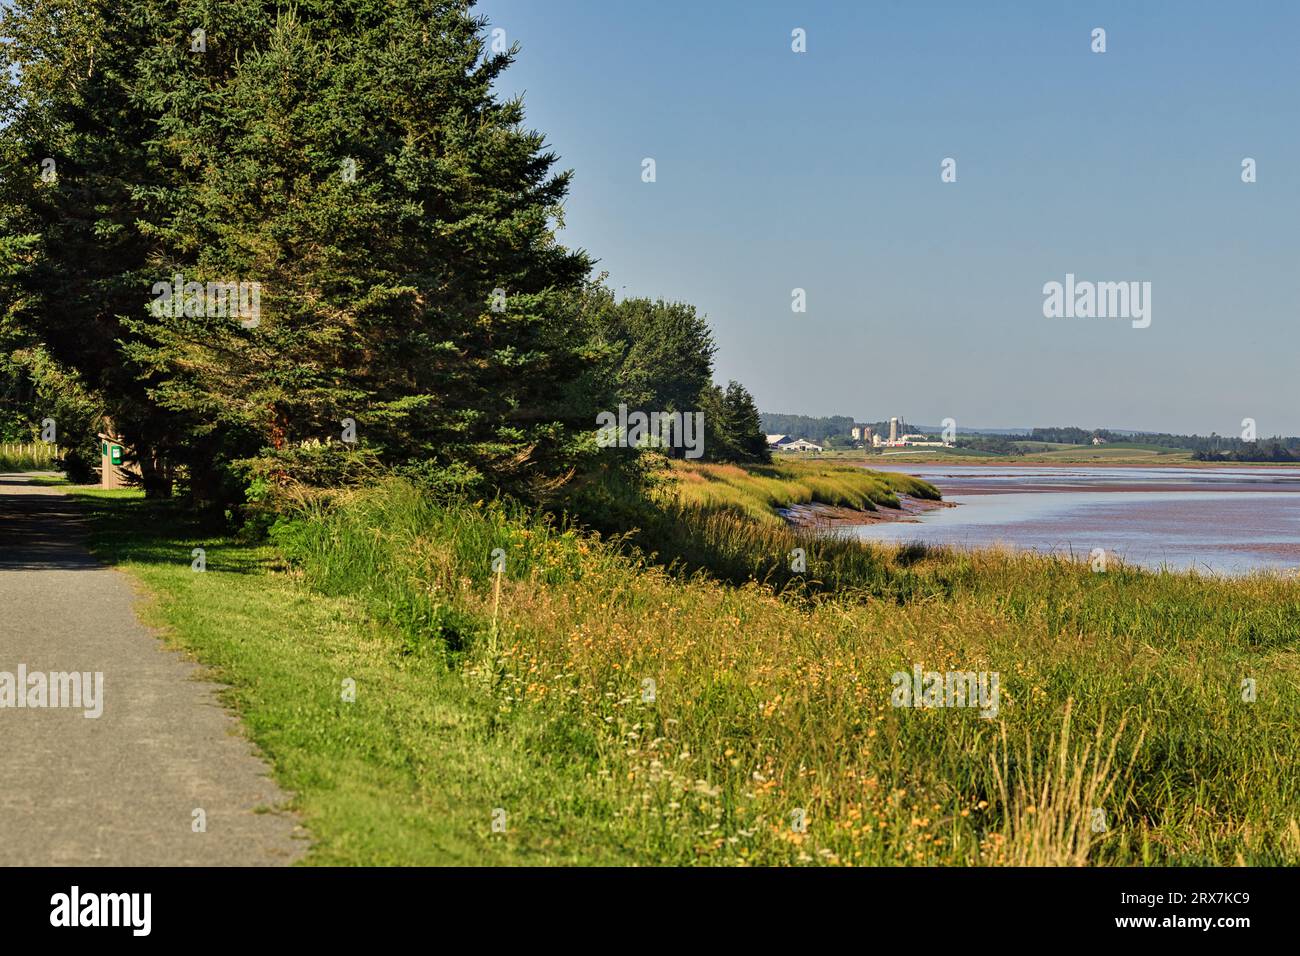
(757, 491)
(773, 697)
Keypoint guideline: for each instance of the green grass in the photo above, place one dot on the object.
(408, 774)
(1039, 446)
(1118, 450)
(528, 690)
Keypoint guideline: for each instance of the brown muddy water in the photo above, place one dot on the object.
(1216, 520)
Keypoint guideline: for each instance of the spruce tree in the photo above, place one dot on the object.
(349, 160)
(71, 164)
(352, 160)
(744, 425)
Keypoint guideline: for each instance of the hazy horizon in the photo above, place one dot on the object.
(778, 170)
(1009, 429)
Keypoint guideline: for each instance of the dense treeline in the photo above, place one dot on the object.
(1256, 451)
(1213, 444)
(806, 426)
(17, 401)
(1210, 447)
(1063, 436)
(993, 444)
(311, 243)
(1213, 447)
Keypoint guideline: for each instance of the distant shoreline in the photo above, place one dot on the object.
(1064, 463)
(970, 488)
(1196, 480)
(901, 460)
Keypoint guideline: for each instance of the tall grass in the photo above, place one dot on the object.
(717, 716)
(1055, 814)
(37, 456)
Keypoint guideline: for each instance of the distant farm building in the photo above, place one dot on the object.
(786, 443)
(911, 440)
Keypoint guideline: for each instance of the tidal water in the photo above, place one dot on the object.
(1216, 520)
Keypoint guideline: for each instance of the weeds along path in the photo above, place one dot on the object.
(161, 775)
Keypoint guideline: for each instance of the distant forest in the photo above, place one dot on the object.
(1213, 447)
(805, 426)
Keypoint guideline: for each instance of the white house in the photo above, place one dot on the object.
(795, 444)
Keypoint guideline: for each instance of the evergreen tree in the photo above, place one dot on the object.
(733, 426)
(350, 162)
(399, 223)
(71, 163)
(660, 353)
(718, 443)
(744, 425)
(310, 240)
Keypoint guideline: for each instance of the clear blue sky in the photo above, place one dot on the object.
(778, 170)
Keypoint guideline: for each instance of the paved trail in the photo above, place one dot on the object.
(120, 789)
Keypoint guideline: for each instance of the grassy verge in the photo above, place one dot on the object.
(411, 772)
(620, 711)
